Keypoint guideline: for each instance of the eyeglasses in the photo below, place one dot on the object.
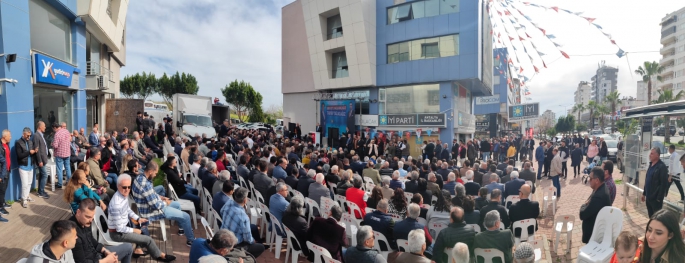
(125, 187)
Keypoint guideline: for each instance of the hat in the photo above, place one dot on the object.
(524, 251)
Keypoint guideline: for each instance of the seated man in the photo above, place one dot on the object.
(278, 204)
(471, 186)
(100, 177)
(524, 253)
(318, 189)
(87, 248)
(395, 182)
(118, 220)
(222, 197)
(402, 228)
(512, 187)
(494, 184)
(236, 220)
(155, 207)
(364, 248)
(380, 221)
(417, 245)
(493, 237)
(221, 244)
(460, 253)
(457, 231)
(57, 249)
(328, 233)
(495, 204)
(451, 182)
(524, 209)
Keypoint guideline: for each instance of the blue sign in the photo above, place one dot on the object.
(53, 71)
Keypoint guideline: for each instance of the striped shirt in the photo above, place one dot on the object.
(149, 204)
(119, 213)
(62, 143)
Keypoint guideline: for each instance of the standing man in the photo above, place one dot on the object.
(674, 171)
(656, 182)
(549, 155)
(564, 153)
(61, 142)
(5, 164)
(540, 158)
(608, 167)
(597, 200)
(25, 151)
(555, 170)
(485, 149)
(41, 158)
(139, 122)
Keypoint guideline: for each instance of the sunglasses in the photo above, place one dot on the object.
(125, 187)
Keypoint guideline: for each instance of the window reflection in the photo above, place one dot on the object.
(444, 46)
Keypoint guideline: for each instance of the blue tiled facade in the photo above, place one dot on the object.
(17, 99)
(449, 72)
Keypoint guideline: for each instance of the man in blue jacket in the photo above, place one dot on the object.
(540, 158)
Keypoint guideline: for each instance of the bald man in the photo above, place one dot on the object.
(524, 209)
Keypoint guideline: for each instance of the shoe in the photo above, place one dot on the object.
(45, 195)
(4, 211)
(7, 205)
(30, 199)
(140, 255)
(4, 220)
(167, 258)
(181, 232)
(58, 186)
(189, 243)
(25, 204)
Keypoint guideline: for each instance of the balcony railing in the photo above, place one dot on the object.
(98, 77)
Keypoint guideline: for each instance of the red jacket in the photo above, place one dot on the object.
(356, 195)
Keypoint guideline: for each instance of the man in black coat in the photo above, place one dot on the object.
(152, 145)
(455, 149)
(430, 150)
(438, 149)
(656, 182)
(598, 200)
(549, 155)
(524, 209)
(304, 182)
(495, 204)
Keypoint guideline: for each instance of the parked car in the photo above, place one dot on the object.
(596, 132)
(612, 147)
(620, 154)
(661, 131)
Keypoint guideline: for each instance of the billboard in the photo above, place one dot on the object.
(524, 111)
(420, 119)
(494, 99)
(52, 71)
(336, 114)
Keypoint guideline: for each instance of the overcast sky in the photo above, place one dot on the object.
(222, 40)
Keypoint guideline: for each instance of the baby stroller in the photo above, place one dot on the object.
(586, 172)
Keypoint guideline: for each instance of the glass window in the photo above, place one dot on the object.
(432, 8)
(449, 6)
(404, 51)
(339, 65)
(404, 12)
(444, 46)
(50, 30)
(433, 97)
(449, 46)
(393, 51)
(430, 50)
(93, 56)
(52, 106)
(392, 15)
(381, 94)
(335, 29)
(417, 9)
(412, 99)
(416, 48)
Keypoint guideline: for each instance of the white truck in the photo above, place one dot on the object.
(193, 115)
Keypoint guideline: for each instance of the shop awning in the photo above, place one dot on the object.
(661, 109)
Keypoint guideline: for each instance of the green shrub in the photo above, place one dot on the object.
(159, 179)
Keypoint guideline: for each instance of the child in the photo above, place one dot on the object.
(627, 248)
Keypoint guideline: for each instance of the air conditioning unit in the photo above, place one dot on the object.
(101, 82)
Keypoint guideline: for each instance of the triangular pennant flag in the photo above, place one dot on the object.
(520, 71)
(520, 12)
(620, 53)
(543, 64)
(527, 18)
(596, 25)
(527, 93)
(607, 34)
(557, 44)
(613, 42)
(512, 21)
(499, 34)
(491, 32)
(589, 19)
(551, 36)
(536, 69)
(543, 31)
(507, 13)
(555, 8)
(517, 27)
(540, 53)
(511, 38)
(498, 41)
(499, 13)
(520, 38)
(564, 54)
(500, 72)
(510, 62)
(497, 58)
(528, 35)
(567, 11)
(429, 132)
(535, 5)
(508, 81)
(525, 78)
(533, 44)
(514, 48)
(523, 26)
(578, 13)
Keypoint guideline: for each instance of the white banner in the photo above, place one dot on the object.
(487, 100)
(366, 120)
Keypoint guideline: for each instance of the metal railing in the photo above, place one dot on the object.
(102, 75)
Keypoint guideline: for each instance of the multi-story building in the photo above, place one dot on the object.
(547, 120)
(408, 66)
(604, 82)
(583, 93)
(491, 111)
(49, 48)
(672, 52)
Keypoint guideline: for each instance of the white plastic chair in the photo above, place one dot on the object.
(488, 254)
(319, 252)
(217, 221)
(476, 227)
(341, 200)
(296, 193)
(524, 225)
(448, 251)
(434, 200)
(291, 250)
(511, 200)
(208, 229)
(208, 201)
(549, 195)
(381, 238)
(607, 227)
(408, 196)
(186, 205)
(351, 227)
(435, 228)
(107, 240)
(23, 260)
(538, 247)
(329, 260)
(242, 182)
(403, 245)
(311, 206)
(277, 239)
(532, 196)
(564, 225)
(263, 215)
(354, 208)
(326, 205)
(252, 190)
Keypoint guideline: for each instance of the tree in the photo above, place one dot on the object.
(667, 96)
(581, 127)
(592, 105)
(578, 108)
(146, 85)
(243, 98)
(649, 71)
(613, 100)
(601, 111)
(127, 86)
(565, 124)
(176, 84)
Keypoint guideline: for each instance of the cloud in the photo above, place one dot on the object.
(215, 40)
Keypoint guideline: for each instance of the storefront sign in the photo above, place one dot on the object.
(647, 124)
(524, 111)
(487, 100)
(397, 120)
(432, 120)
(52, 71)
(366, 120)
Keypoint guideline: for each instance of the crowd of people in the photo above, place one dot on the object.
(464, 186)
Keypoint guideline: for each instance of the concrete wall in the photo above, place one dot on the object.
(500, 87)
(296, 65)
(302, 109)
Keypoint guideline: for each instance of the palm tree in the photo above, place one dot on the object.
(579, 108)
(667, 96)
(601, 111)
(612, 99)
(650, 70)
(592, 106)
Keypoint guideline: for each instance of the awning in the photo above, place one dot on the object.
(661, 109)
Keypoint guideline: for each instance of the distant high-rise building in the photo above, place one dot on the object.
(583, 93)
(642, 91)
(673, 53)
(604, 82)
